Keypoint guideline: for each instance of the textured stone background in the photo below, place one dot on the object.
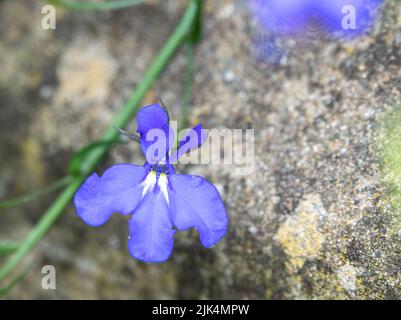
(314, 220)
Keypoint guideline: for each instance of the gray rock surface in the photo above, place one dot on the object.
(314, 220)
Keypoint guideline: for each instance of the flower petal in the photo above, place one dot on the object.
(118, 190)
(151, 230)
(192, 140)
(153, 127)
(195, 202)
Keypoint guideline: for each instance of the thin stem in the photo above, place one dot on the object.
(36, 194)
(40, 228)
(197, 27)
(7, 247)
(92, 6)
(133, 137)
(123, 117)
(7, 288)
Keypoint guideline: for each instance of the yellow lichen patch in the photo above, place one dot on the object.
(32, 162)
(327, 286)
(299, 235)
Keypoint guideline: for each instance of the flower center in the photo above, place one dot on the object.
(161, 169)
(158, 176)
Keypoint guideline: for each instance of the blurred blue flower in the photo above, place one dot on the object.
(158, 198)
(281, 16)
(347, 18)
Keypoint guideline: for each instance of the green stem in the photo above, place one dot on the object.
(89, 6)
(40, 228)
(36, 194)
(174, 41)
(7, 288)
(7, 247)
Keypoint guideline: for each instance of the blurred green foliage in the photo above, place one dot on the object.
(91, 6)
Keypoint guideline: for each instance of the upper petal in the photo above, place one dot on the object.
(192, 140)
(155, 132)
(118, 190)
(195, 202)
(151, 230)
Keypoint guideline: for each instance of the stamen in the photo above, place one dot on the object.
(164, 107)
(133, 137)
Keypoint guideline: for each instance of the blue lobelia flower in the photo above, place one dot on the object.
(348, 18)
(158, 199)
(281, 16)
(293, 16)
